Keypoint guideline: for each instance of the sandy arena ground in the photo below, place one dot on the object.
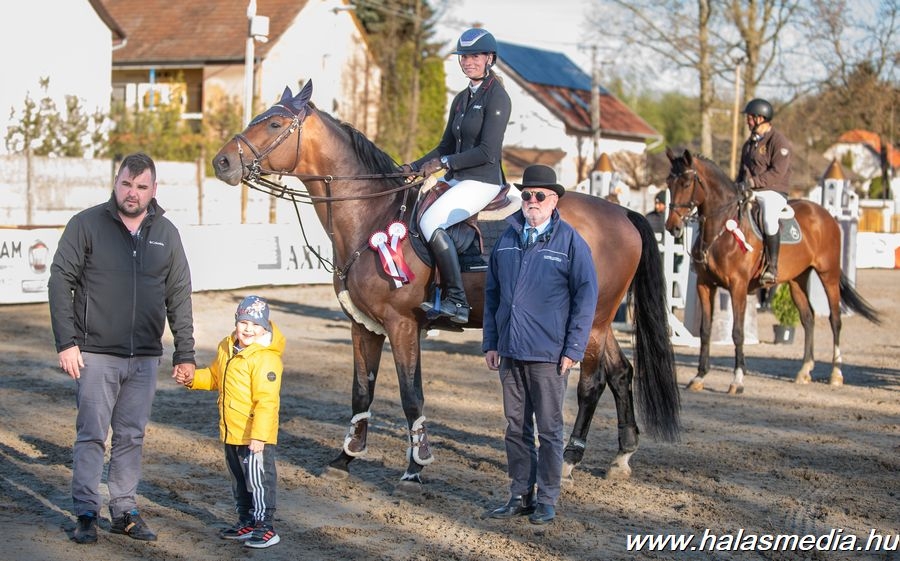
(780, 459)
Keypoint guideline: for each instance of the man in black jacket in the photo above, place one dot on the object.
(119, 272)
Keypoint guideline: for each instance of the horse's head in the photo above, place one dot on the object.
(686, 190)
(261, 148)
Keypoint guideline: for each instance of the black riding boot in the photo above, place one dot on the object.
(453, 301)
(773, 244)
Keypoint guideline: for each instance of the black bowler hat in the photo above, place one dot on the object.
(539, 175)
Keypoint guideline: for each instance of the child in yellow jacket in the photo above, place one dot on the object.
(247, 374)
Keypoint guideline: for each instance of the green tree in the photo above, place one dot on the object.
(412, 85)
(160, 131)
(42, 129)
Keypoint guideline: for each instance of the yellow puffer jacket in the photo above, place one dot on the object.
(249, 384)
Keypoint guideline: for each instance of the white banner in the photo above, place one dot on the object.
(25, 257)
(222, 257)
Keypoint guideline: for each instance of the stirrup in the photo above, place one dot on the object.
(768, 278)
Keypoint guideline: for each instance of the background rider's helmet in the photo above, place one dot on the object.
(474, 41)
(759, 107)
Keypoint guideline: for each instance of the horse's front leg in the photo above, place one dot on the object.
(405, 343)
(367, 349)
(705, 295)
(739, 310)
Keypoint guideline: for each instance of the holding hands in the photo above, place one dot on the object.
(184, 373)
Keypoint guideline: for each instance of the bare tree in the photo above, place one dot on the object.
(759, 25)
(680, 35)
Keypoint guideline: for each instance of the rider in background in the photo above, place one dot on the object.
(469, 152)
(766, 169)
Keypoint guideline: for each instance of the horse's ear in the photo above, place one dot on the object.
(302, 98)
(689, 160)
(670, 154)
(286, 94)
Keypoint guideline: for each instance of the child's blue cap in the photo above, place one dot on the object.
(255, 309)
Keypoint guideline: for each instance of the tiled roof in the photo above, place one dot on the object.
(193, 31)
(555, 81)
(873, 141)
(516, 159)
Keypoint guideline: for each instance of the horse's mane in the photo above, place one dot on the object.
(714, 169)
(366, 151)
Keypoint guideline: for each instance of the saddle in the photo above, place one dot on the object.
(474, 237)
(789, 231)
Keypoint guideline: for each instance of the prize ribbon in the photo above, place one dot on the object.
(732, 226)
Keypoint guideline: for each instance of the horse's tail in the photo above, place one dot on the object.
(855, 302)
(655, 382)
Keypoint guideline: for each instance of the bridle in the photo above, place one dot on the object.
(691, 205)
(255, 178)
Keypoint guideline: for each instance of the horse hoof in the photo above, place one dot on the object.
(735, 389)
(617, 472)
(695, 385)
(836, 380)
(409, 489)
(335, 474)
(567, 470)
(803, 378)
(619, 468)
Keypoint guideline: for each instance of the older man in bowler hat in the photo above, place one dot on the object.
(540, 295)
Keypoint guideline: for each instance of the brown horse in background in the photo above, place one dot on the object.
(357, 190)
(698, 186)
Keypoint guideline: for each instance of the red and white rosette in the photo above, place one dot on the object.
(731, 225)
(391, 260)
(398, 232)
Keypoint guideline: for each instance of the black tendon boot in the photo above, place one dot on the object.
(773, 244)
(453, 301)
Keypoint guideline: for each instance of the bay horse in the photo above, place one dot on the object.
(700, 190)
(357, 190)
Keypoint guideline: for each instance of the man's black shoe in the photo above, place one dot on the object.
(518, 505)
(132, 526)
(542, 514)
(86, 528)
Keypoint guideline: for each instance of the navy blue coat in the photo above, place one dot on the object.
(539, 302)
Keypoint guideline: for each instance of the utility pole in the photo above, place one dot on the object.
(595, 105)
(735, 119)
(257, 30)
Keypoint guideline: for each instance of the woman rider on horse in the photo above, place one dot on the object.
(469, 151)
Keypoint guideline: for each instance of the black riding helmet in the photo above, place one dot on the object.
(760, 108)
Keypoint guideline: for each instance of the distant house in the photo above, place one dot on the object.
(70, 43)
(551, 114)
(195, 52)
(862, 151)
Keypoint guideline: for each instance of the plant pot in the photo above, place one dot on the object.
(784, 334)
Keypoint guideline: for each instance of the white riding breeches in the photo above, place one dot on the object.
(771, 203)
(462, 200)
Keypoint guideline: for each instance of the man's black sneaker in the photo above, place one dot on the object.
(86, 528)
(263, 536)
(240, 531)
(132, 526)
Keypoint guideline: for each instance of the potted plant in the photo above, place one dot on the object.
(786, 314)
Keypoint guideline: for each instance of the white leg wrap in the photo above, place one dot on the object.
(352, 434)
(419, 450)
